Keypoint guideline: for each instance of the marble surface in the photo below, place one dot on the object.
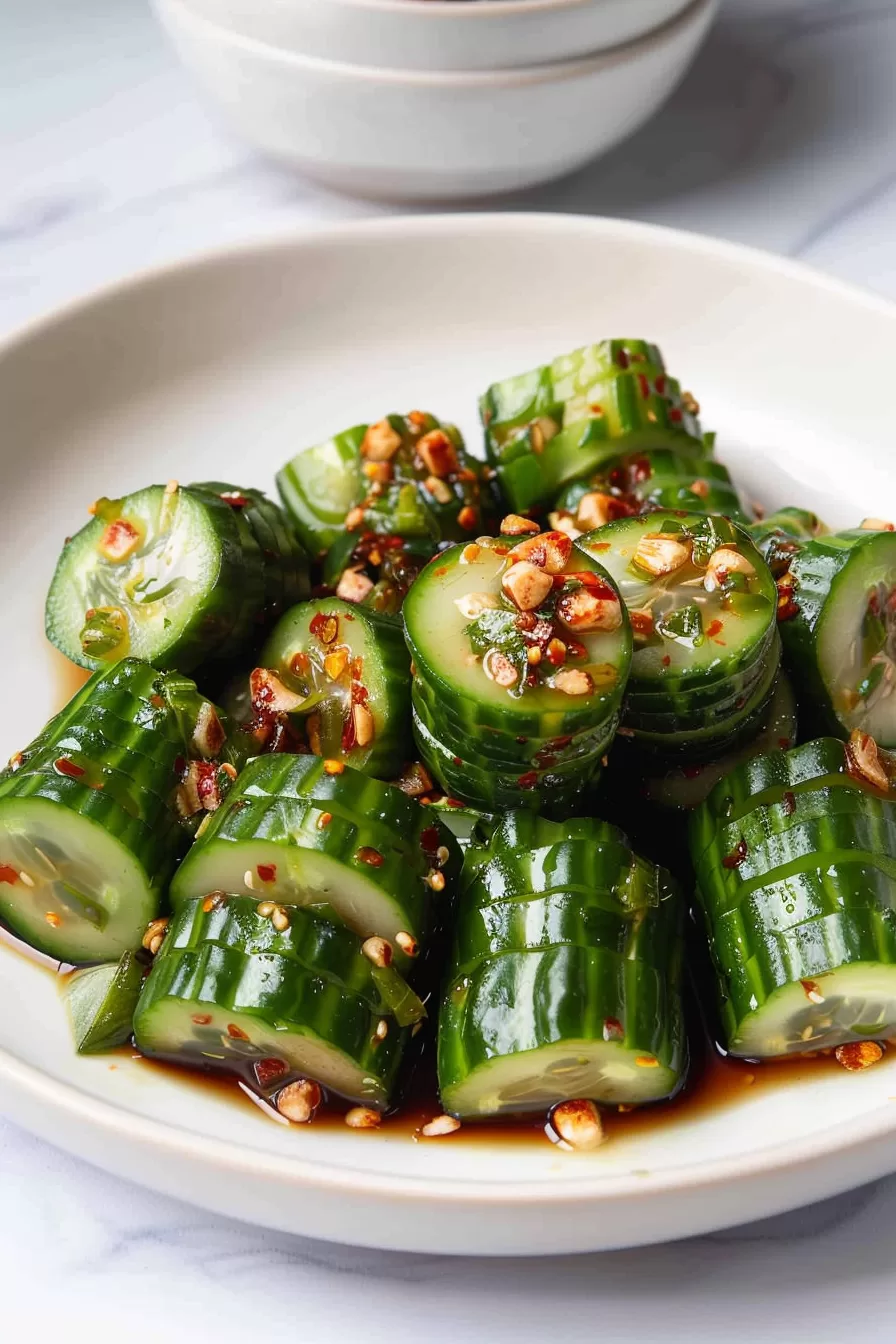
(781, 136)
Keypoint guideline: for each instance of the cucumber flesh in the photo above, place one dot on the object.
(69, 887)
(857, 1001)
(218, 1008)
(163, 600)
(101, 1002)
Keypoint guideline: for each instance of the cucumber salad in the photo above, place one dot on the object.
(544, 761)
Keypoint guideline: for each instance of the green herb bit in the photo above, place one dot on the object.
(684, 626)
(105, 632)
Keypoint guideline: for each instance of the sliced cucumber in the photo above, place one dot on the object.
(780, 535)
(248, 1013)
(839, 630)
(101, 1002)
(798, 891)
(347, 673)
(661, 478)
(159, 574)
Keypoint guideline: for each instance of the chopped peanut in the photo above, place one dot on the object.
(268, 692)
(573, 681)
(578, 1124)
(362, 1117)
(863, 760)
(857, 1055)
(354, 585)
(441, 1125)
(438, 453)
(380, 442)
(354, 518)
(565, 523)
(298, 1101)
(594, 510)
(581, 610)
(661, 553)
(415, 780)
(363, 724)
(690, 403)
(498, 668)
(549, 551)
(516, 526)
(440, 490)
(377, 950)
(700, 488)
(208, 735)
(526, 586)
(723, 562)
(407, 943)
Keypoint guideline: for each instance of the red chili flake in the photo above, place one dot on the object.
(235, 499)
(457, 760)
(666, 660)
(360, 694)
(235, 1032)
(600, 546)
(789, 804)
(267, 872)
(874, 603)
(324, 628)
(157, 701)
(692, 771)
(8, 874)
(622, 359)
(784, 743)
(596, 408)
(642, 622)
(560, 743)
(443, 569)
(737, 855)
(267, 1071)
(430, 839)
(644, 385)
(367, 854)
(300, 663)
(594, 583)
(613, 1029)
(529, 780)
(714, 628)
(675, 415)
(660, 384)
(453, 802)
(201, 1019)
(63, 766)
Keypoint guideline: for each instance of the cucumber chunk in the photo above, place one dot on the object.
(101, 1002)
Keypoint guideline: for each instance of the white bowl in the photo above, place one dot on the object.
(441, 34)
(429, 136)
(279, 343)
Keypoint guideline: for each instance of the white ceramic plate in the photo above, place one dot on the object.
(222, 368)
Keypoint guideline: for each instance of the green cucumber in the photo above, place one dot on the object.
(703, 609)
(660, 478)
(296, 852)
(779, 535)
(101, 1002)
(347, 673)
(407, 476)
(262, 1015)
(797, 893)
(838, 627)
(171, 591)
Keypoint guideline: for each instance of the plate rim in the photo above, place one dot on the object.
(324, 1174)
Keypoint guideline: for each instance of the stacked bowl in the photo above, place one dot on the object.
(434, 99)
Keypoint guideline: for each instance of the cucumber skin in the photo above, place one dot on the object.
(247, 816)
(574, 991)
(111, 1021)
(280, 994)
(779, 536)
(817, 569)
(210, 634)
(478, 783)
(122, 730)
(785, 928)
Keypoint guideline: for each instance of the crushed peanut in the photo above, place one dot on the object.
(660, 553)
(381, 442)
(407, 943)
(526, 586)
(582, 610)
(595, 509)
(572, 681)
(268, 692)
(378, 951)
(438, 453)
(155, 934)
(499, 669)
(876, 525)
(472, 605)
(549, 551)
(514, 525)
(440, 1126)
(354, 585)
(298, 1101)
(578, 1123)
(857, 1055)
(364, 725)
(362, 1117)
(863, 760)
(723, 562)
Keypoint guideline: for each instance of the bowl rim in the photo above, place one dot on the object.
(477, 10)
(25, 1080)
(695, 14)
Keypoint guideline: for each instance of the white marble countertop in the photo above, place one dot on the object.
(781, 136)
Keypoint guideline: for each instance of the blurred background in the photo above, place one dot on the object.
(779, 135)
